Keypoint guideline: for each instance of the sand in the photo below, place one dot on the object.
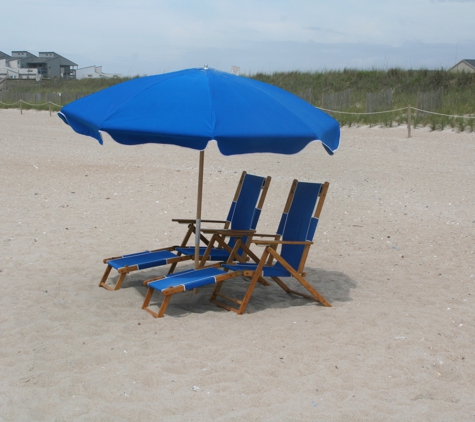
(394, 254)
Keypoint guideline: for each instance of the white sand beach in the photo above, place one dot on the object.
(393, 253)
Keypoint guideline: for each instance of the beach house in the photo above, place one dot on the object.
(25, 65)
(10, 68)
(464, 66)
(94, 72)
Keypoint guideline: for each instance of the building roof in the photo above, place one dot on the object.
(43, 59)
(21, 54)
(470, 62)
(5, 56)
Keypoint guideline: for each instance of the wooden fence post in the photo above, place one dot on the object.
(21, 108)
(409, 121)
(49, 106)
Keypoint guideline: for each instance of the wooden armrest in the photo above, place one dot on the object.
(168, 248)
(266, 235)
(229, 232)
(281, 242)
(193, 220)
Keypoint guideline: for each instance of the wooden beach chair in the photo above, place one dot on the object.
(244, 213)
(283, 256)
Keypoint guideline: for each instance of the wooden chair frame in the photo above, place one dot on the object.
(256, 275)
(168, 293)
(270, 253)
(190, 231)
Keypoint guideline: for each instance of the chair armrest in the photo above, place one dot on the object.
(275, 236)
(193, 220)
(168, 248)
(281, 242)
(229, 232)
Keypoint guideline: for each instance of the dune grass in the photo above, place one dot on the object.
(458, 94)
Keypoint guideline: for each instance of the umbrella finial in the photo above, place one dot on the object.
(205, 66)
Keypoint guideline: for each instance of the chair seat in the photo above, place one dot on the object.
(268, 270)
(142, 260)
(190, 279)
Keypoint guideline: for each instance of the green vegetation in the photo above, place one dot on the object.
(57, 93)
(457, 93)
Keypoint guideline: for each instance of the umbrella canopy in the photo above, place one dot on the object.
(191, 107)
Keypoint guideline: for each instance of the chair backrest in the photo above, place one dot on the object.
(247, 204)
(300, 219)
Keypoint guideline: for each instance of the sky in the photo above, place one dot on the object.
(146, 37)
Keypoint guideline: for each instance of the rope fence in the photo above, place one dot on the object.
(399, 109)
(373, 112)
(409, 117)
(409, 108)
(21, 102)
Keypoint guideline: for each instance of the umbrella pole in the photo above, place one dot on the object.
(198, 210)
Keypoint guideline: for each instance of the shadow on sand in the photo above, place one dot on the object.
(333, 285)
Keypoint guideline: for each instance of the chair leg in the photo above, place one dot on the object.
(248, 294)
(148, 297)
(117, 285)
(216, 291)
(163, 306)
(172, 268)
(146, 302)
(281, 284)
(225, 297)
(105, 276)
(263, 281)
(256, 277)
(317, 296)
(289, 291)
(314, 293)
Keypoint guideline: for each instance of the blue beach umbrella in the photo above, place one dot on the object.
(191, 107)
